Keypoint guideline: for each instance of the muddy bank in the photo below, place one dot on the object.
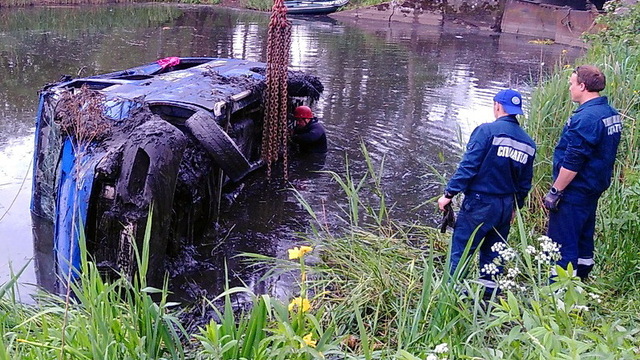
(478, 14)
(562, 24)
(562, 21)
(20, 3)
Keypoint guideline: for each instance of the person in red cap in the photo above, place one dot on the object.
(308, 134)
(495, 176)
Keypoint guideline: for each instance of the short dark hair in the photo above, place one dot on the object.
(592, 78)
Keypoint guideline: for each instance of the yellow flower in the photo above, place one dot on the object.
(308, 340)
(298, 252)
(300, 303)
(294, 253)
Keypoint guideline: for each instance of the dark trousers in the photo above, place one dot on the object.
(491, 216)
(573, 226)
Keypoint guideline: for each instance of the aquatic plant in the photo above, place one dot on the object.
(262, 5)
(17, 3)
(385, 294)
(391, 297)
(104, 319)
(61, 2)
(272, 329)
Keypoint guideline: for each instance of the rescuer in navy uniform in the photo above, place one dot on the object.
(308, 134)
(495, 176)
(582, 168)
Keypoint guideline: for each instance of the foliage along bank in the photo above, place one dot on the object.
(19, 3)
(377, 289)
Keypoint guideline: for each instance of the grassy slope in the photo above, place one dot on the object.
(380, 291)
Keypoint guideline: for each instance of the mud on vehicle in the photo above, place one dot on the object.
(171, 136)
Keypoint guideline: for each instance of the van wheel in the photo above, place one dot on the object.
(150, 166)
(219, 145)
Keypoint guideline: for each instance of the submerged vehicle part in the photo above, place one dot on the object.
(168, 137)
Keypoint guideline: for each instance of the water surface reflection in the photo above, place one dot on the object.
(411, 94)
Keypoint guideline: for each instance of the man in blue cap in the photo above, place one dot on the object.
(495, 176)
(582, 169)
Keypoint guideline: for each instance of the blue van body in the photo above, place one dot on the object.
(164, 138)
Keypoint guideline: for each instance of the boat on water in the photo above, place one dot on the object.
(168, 138)
(313, 7)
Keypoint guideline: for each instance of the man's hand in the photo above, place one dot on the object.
(442, 202)
(552, 199)
(448, 218)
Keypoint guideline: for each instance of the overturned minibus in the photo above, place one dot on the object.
(168, 138)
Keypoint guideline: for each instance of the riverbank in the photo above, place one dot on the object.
(377, 289)
(546, 22)
(23, 3)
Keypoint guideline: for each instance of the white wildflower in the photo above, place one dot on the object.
(513, 272)
(506, 284)
(542, 257)
(581, 307)
(432, 357)
(489, 269)
(497, 247)
(441, 349)
(550, 247)
(531, 250)
(508, 254)
(595, 297)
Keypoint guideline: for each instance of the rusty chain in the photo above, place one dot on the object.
(275, 131)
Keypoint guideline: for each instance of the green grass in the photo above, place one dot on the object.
(61, 2)
(389, 293)
(19, 3)
(210, 2)
(379, 289)
(262, 5)
(103, 320)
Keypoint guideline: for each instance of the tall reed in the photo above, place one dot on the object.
(390, 296)
(103, 320)
(19, 3)
(61, 2)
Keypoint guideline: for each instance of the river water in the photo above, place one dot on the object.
(411, 94)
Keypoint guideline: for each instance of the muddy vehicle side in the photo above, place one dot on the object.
(171, 136)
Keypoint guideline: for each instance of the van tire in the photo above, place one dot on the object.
(218, 144)
(149, 174)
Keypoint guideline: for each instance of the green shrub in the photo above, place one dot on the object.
(262, 5)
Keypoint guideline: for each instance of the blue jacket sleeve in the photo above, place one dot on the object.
(468, 168)
(524, 185)
(583, 134)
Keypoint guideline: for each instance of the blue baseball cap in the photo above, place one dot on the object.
(511, 101)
